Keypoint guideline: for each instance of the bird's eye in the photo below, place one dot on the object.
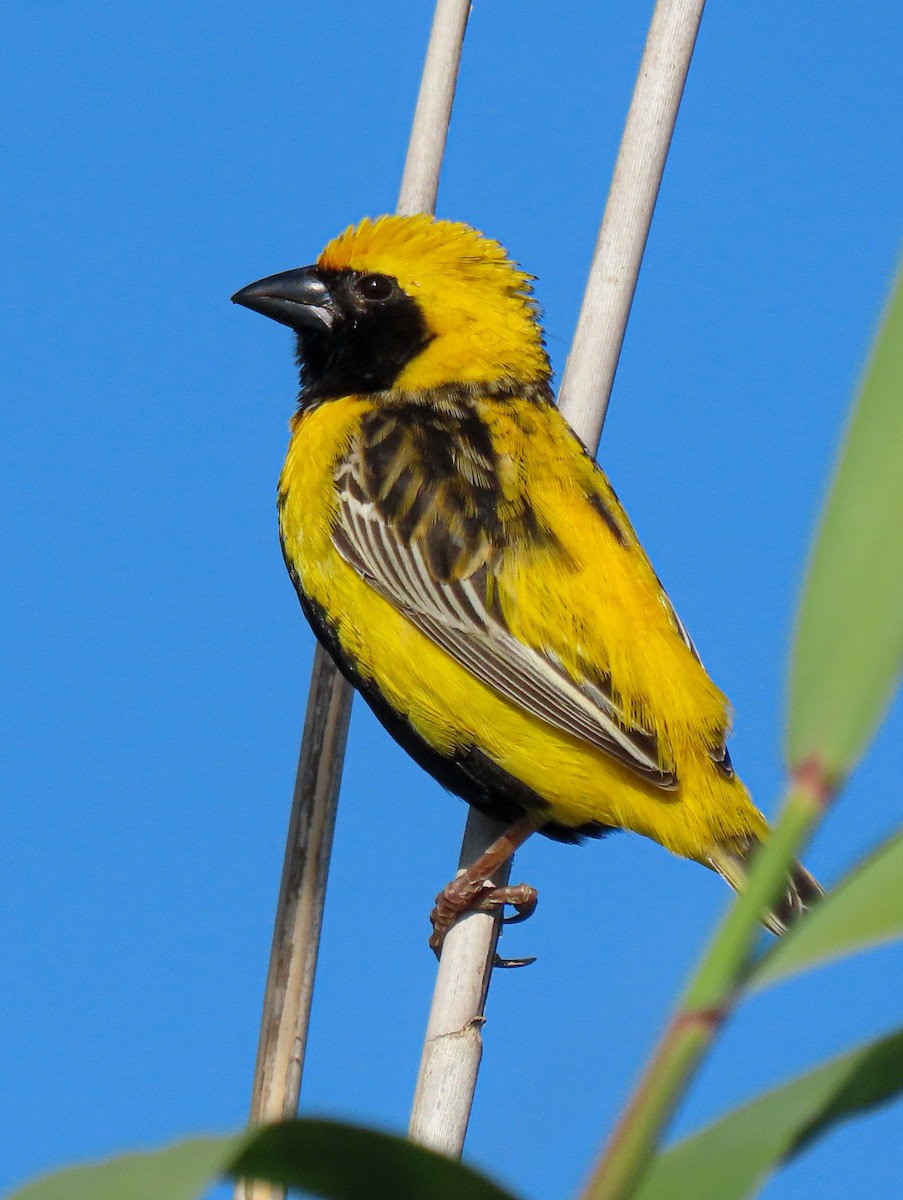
(374, 287)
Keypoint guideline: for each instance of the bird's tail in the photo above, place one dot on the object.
(731, 859)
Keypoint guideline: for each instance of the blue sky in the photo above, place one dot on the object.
(155, 662)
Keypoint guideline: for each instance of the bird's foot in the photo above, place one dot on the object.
(474, 889)
(466, 895)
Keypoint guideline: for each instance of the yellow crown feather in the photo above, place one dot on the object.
(477, 303)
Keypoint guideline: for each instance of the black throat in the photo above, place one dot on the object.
(366, 348)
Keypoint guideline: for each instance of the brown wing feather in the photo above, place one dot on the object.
(425, 542)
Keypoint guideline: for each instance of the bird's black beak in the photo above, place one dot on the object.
(299, 299)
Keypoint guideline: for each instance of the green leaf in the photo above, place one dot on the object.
(346, 1162)
(865, 910)
(326, 1158)
(849, 639)
(179, 1172)
(731, 1159)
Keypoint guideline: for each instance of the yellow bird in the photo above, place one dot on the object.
(471, 570)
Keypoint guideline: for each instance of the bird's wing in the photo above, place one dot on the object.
(445, 588)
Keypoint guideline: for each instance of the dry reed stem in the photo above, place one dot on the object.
(299, 911)
(453, 1047)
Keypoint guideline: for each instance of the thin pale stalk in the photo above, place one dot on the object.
(299, 911)
(708, 1001)
(446, 1081)
(593, 360)
(452, 1049)
(429, 129)
(453, 1046)
(302, 891)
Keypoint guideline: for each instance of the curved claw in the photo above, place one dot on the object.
(523, 899)
(512, 963)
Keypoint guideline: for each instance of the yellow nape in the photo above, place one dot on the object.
(478, 304)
